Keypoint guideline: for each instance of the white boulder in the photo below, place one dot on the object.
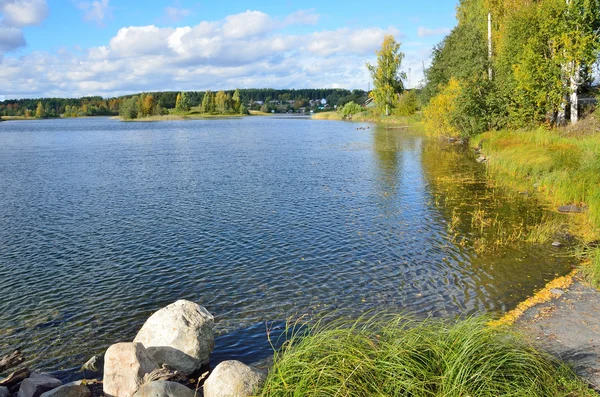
(162, 388)
(125, 365)
(234, 379)
(179, 335)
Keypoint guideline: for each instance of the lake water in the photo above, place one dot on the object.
(259, 219)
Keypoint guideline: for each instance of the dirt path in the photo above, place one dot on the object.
(568, 326)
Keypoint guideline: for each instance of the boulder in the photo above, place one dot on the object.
(179, 335)
(125, 365)
(234, 379)
(73, 389)
(163, 388)
(4, 391)
(37, 384)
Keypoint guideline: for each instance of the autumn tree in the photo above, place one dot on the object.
(40, 113)
(386, 75)
(221, 102)
(236, 101)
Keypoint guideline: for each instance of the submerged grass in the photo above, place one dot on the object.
(563, 166)
(401, 356)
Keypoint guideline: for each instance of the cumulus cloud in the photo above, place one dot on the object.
(250, 49)
(425, 32)
(95, 11)
(15, 15)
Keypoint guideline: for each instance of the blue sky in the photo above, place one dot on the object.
(113, 47)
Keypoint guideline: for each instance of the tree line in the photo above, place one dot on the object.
(162, 102)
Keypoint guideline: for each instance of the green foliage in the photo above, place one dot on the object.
(400, 356)
(129, 108)
(408, 104)
(386, 75)
(243, 110)
(351, 108)
(543, 50)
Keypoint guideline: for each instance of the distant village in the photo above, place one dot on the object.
(292, 106)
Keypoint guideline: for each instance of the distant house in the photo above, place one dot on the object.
(323, 101)
(259, 103)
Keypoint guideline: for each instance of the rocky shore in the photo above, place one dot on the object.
(169, 357)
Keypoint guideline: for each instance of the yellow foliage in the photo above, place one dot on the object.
(439, 113)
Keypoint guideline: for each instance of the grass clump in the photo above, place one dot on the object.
(400, 356)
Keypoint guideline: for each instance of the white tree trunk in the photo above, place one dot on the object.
(574, 84)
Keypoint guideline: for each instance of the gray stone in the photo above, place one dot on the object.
(557, 244)
(481, 159)
(37, 384)
(180, 336)
(125, 365)
(73, 389)
(571, 209)
(4, 391)
(234, 379)
(163, 388)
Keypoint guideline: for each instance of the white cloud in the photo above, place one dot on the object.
(95, 11)
(21, 13)
(424, 32)
(251, 49)
(10, 38)
(247, 24)
(15, 15)
(175, 14)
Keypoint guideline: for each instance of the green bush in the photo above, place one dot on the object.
(351, 108)
(408, 104)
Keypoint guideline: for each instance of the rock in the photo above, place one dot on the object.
(163, 388)
(481, 159)
(179, 335)
(73, 389)
(15, 377)
(574, 209)
(233, 379)
(37, 384)
(557, 244)
(125, 365)
(4, 391)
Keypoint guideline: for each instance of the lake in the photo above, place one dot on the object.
(259, 219)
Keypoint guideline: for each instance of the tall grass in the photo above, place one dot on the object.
(400, 356)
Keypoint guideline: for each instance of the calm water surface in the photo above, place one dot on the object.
(258, 219)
